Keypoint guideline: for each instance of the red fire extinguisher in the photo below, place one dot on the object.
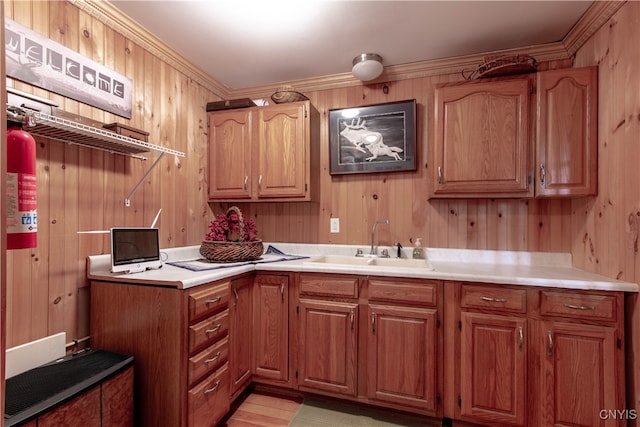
(22, 217)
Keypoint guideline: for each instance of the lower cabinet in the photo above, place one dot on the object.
(403, 356)
(538, 357)
(375, 340)
(180, 342)
(493, 367)
(271, 332)
(581, 358)
(328, 342)
(241, 334)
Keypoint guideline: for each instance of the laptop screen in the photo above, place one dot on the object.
(134, 249)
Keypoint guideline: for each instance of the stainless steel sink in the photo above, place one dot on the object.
(372, 262)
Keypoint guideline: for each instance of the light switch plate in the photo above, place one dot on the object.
(335, 225)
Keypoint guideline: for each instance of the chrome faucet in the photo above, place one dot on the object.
(373, 234)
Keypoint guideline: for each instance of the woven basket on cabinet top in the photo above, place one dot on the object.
(287, 94)
(232, 251)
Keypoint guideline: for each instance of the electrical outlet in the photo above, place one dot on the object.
(335, 225)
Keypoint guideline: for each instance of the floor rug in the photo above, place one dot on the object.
(318, 413)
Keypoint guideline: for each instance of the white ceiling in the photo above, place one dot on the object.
(255, 45)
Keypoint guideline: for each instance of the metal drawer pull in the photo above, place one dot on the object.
(440, 179)
(580, 307)
(550, 347)
(490, 299)
(215, 329)
(213, 359)
(213, 300)
(246, 180)
(214, 388)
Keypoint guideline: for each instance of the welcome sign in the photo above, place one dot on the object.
(34, 59)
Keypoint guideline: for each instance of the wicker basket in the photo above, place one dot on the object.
(287, 94)
(494, 66)
(235, 249)
(231, 251)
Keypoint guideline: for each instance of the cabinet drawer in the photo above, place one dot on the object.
(208, 360)
(578, 305)
(494, 298)
(419, 293)
(208, 402)
(208, 300)
(208, 330)
(335, 286)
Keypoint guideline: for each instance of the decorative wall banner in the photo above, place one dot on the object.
(34, 59)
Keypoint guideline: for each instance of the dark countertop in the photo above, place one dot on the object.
(37, 391)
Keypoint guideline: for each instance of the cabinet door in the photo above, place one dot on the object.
(328, 342)
(282, 146)
(481, 145)
(271, 333)
(230, 136)
(567, 146)
(81, 411)
(578, 375)
(240, 333)
(402, 356)
(492, 368)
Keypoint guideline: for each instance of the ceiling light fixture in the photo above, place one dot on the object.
(367, 66)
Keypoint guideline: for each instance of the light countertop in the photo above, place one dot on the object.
(502, 267)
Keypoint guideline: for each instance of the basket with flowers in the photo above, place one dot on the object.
(231, 238)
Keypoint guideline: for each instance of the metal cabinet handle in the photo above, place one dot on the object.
(440, 178)
(520, 338)
(214, 329)
(246, 181)
(550, 346)
(491, 299)
(282, 291)
(214, 388)
(351, 319)
(260, 183)
(373, 323)
(580, 307)
(235, 294)
(213, 359)
(543, 174)
(213, 300)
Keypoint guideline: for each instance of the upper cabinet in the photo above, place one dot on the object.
(264, 153)
(493, 138)
(567, 132)
(482, 139)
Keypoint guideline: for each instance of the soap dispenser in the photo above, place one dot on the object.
(417, 250)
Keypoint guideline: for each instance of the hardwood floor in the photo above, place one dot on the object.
(263, 410)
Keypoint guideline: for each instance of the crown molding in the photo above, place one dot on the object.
(598, 13)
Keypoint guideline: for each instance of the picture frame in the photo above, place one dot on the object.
(373, 138)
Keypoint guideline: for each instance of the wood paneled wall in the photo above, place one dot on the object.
(82, 189)
(604, 236)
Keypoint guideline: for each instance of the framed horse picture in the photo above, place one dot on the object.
(373, 138)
